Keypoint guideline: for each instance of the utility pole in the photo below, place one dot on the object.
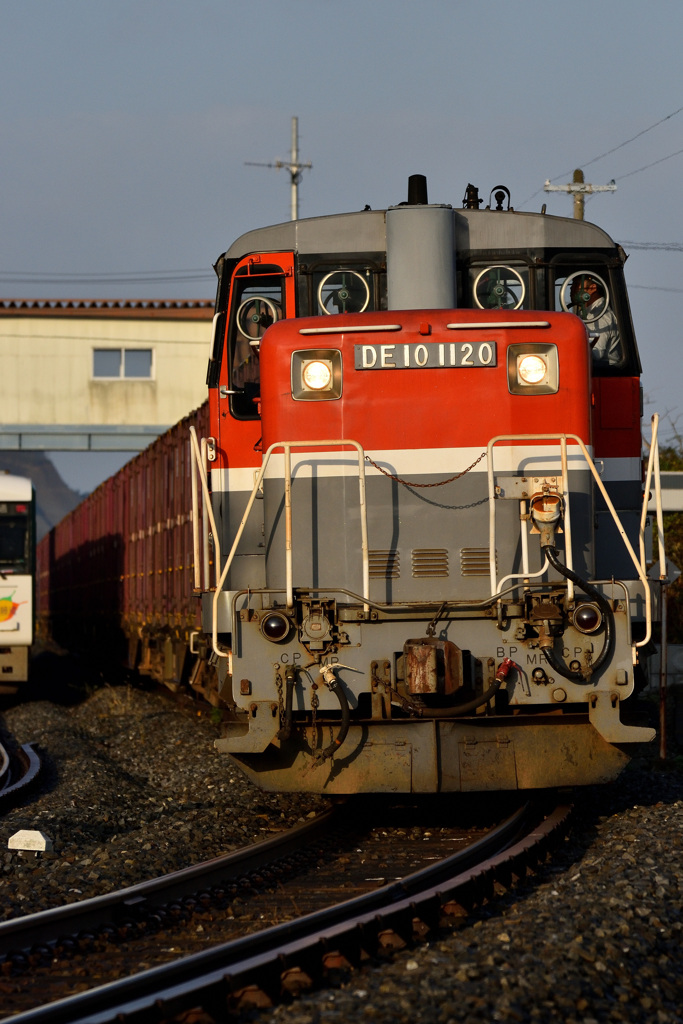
(293, 166)
(579, 190)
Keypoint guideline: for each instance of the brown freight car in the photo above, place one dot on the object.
(115, 576)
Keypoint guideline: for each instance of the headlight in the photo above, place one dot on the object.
(317, 375)
(532, 369)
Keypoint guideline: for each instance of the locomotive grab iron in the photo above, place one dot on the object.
(421, 552)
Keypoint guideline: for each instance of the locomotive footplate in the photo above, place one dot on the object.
(431, 756)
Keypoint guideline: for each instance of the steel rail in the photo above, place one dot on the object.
(218, 977)
(31, 766)
(49, 925)
(4, 768)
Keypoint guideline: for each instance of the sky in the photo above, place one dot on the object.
(129, 126)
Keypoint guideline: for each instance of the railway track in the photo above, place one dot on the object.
(258, 968)
(19, 772)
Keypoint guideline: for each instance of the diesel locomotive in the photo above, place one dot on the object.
(419, 516)
(403, 545)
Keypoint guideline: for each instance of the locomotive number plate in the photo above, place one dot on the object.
(425, 355)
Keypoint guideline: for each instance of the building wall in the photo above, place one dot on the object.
(46, 361)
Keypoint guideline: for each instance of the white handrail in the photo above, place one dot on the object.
(205, 523)
(653, 468)
(287, 446)
(591, 465)
(206, 504)
(569, 553)
(195, 520)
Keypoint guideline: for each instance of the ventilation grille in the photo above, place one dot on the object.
(429, 562)
(475, 561)
(384, 565)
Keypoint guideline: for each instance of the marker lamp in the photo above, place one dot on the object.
(275, 627)
(587, 618)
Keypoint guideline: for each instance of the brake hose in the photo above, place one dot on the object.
(334, 684)
(602, 602)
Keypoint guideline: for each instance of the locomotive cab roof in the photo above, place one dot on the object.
(475, 231)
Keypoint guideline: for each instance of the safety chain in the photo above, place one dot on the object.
(280, 699)
(431, 628)
(439, 483)
(315, 701)
(415, 710)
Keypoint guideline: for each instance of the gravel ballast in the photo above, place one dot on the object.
(595, 937)
(135, 789)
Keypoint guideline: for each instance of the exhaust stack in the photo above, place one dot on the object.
(420, 252)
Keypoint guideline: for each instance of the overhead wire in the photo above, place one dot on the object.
(588, 163)
(200, 274)
(622, 144)
(654, 246)
(653, 164)
(653, 288)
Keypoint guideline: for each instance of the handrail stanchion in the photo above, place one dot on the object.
(663, 588)
(364, 530)
(288, 527)
(205, 524)
(653, 458)
(567, 517)
(492, 518)
(206, 496)
(195, 518)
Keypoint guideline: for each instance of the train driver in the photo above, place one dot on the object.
(590, 301)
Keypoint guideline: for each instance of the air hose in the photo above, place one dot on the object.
(335, 686)
(603, 604)
(477, 702)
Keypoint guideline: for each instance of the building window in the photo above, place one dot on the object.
(120, 363)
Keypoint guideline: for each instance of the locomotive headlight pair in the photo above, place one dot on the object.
(533, 369)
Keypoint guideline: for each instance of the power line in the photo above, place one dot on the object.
(587, 163)
(654, 246)
(654, 288)
(653, 164)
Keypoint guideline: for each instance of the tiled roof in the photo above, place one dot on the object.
(131, 309)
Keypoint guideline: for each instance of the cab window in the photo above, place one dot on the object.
(343, 291)
(345, 285)
(586, 292)
(14, 534)
(499, 286)
(258, 300)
